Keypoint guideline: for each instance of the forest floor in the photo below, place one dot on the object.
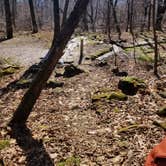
(67, 127)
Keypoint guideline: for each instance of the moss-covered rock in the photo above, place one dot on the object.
(99, 53)
(23, 83)
(162, 112)
(7, 71)
(114, 95)
(7, 67)
(71, 71)
(4, 144)
(130, 85)
(71, 161)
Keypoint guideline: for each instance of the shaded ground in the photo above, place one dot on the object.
(65, 124)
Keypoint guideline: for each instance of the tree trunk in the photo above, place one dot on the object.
(14, 9)
(128, 15)
(65, 12)
(113, 5)
(108, 22)
(145, 15)
(149, 15)
(85, 22)
(9, 28)
(160, 14)
(55, 53)
(155, 39)
(34, 24)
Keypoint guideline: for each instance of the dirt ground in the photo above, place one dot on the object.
(67, 128)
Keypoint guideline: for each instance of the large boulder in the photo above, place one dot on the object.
(130, 85)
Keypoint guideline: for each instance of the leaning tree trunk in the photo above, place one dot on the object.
(160, 14)
(34, 24)
(55, 53)
(9, 28)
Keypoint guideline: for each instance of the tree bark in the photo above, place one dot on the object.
(155, 39)
(65, 12)
(34, 24)
(9, 28)
(160, 14)
(14, 9)
(55, 53)
(113, 5)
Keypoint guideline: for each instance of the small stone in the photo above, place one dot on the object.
(53, 155)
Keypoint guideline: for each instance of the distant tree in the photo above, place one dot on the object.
(55, 53)
(14, 9)
(113, 4)
(9, 28)
(160, 14)
(155, 39)
(108, 21)
(66, 6)
(34, 24)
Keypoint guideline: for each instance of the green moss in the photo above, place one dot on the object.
(71, 161)
(24, 81)
(130, 85)
(122, 144)
(109, 96)
(7, 71)
(99, 111)
(116, 110)
(146, 58)
(99, 53)
(137, 82)
(4, 144)
(162, 112)
(117, 96)
(129, 128)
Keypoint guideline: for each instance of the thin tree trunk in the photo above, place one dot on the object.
(14, 9)
(160, 14)
(85, 22)
(108, 22)
(113, 5)
(34, 24)
(55, 53)
(145, 15)
(155, 39)
(149, 15)
(128, 15)
(9, 28)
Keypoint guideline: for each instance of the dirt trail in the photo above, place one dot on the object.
(24, 50)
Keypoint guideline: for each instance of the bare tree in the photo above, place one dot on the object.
(9, 28)
(160, 14)
(66, 6)
(113, 5)
(155, 39)
(55, 53)
(34, 24)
